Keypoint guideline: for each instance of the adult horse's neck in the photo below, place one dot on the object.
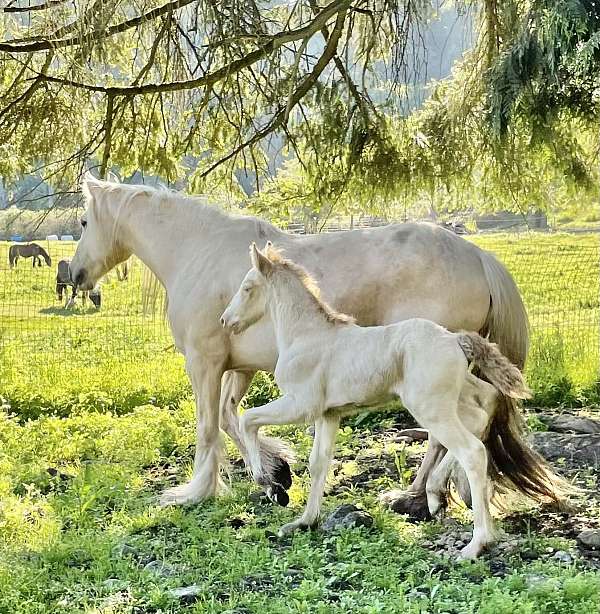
(165, 230)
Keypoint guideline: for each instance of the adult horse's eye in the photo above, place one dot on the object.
(248, 289)
(83, 223)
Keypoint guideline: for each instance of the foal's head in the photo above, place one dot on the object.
(98, 250)
(250, 301)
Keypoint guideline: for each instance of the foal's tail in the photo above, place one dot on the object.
(513, 464)
(493, 365)
(12, 256)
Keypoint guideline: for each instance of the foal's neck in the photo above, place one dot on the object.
(294, 313)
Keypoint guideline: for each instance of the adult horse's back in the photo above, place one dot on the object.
(200, 255)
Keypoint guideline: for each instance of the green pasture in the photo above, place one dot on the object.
(54, 359)
(97, 420)
(121, 356)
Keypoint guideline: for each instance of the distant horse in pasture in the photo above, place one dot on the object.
(28, 251)
(63, 283)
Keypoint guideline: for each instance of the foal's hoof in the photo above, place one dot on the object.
(414, 505)
(278, 495)
(282, 474)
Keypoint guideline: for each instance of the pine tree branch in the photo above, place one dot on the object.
(208, 80)
(96, 35)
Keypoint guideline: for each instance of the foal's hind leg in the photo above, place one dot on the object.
(472, 456)
(476, 407)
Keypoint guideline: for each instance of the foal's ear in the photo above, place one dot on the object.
(259, 261)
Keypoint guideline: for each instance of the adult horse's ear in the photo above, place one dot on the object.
(259, 261)
(89, 185)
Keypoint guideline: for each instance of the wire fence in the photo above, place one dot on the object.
(42, 341)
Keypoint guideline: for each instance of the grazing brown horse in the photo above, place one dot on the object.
(27, 251)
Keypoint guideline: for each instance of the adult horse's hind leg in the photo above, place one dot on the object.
(205, 376)
(413, 501)
(275, 455)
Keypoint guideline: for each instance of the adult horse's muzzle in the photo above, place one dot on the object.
(80, 279)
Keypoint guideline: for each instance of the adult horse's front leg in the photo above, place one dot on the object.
(274, 454)
(206, 382)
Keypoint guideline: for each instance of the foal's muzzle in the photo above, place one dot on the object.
(230, 324)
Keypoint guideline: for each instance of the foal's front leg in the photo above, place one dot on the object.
(320, 459)
(284, 410)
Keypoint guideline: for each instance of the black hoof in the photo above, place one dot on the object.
(413, 505)
(278, 495)
(282, 474)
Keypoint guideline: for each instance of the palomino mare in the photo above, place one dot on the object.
(31, 250)
(328, 367)
(200, 255)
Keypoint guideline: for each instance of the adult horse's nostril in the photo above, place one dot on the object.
(223, 322)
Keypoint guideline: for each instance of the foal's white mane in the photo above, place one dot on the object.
(282, 264)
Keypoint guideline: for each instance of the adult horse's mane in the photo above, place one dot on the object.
(310, 285)
(198, 206)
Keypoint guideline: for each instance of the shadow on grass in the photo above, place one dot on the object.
(62, 311)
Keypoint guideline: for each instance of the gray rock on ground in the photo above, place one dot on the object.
(569, 423)
(186, 594)
(346, 516)
(160, 568)
(589, 538)
(578, 448)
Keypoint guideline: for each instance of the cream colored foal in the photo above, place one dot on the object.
(328, 366)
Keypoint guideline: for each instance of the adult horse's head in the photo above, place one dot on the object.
(100, 247)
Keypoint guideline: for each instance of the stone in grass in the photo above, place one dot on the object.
(113, 584)
(589, 538)
(583, 449)
(568, 423)
(346, 516)
(186, 594)
(562, 556)
(160, 568)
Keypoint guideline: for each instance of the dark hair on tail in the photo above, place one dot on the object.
(513, 464)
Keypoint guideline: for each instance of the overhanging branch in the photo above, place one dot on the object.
(96, 35)
(273, 42)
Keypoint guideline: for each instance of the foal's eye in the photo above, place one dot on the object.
(248, 289)
(83, 223)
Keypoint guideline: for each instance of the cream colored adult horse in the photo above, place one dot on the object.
(200, 255)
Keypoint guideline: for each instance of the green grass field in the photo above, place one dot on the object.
(97, 421)
(120, 357)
